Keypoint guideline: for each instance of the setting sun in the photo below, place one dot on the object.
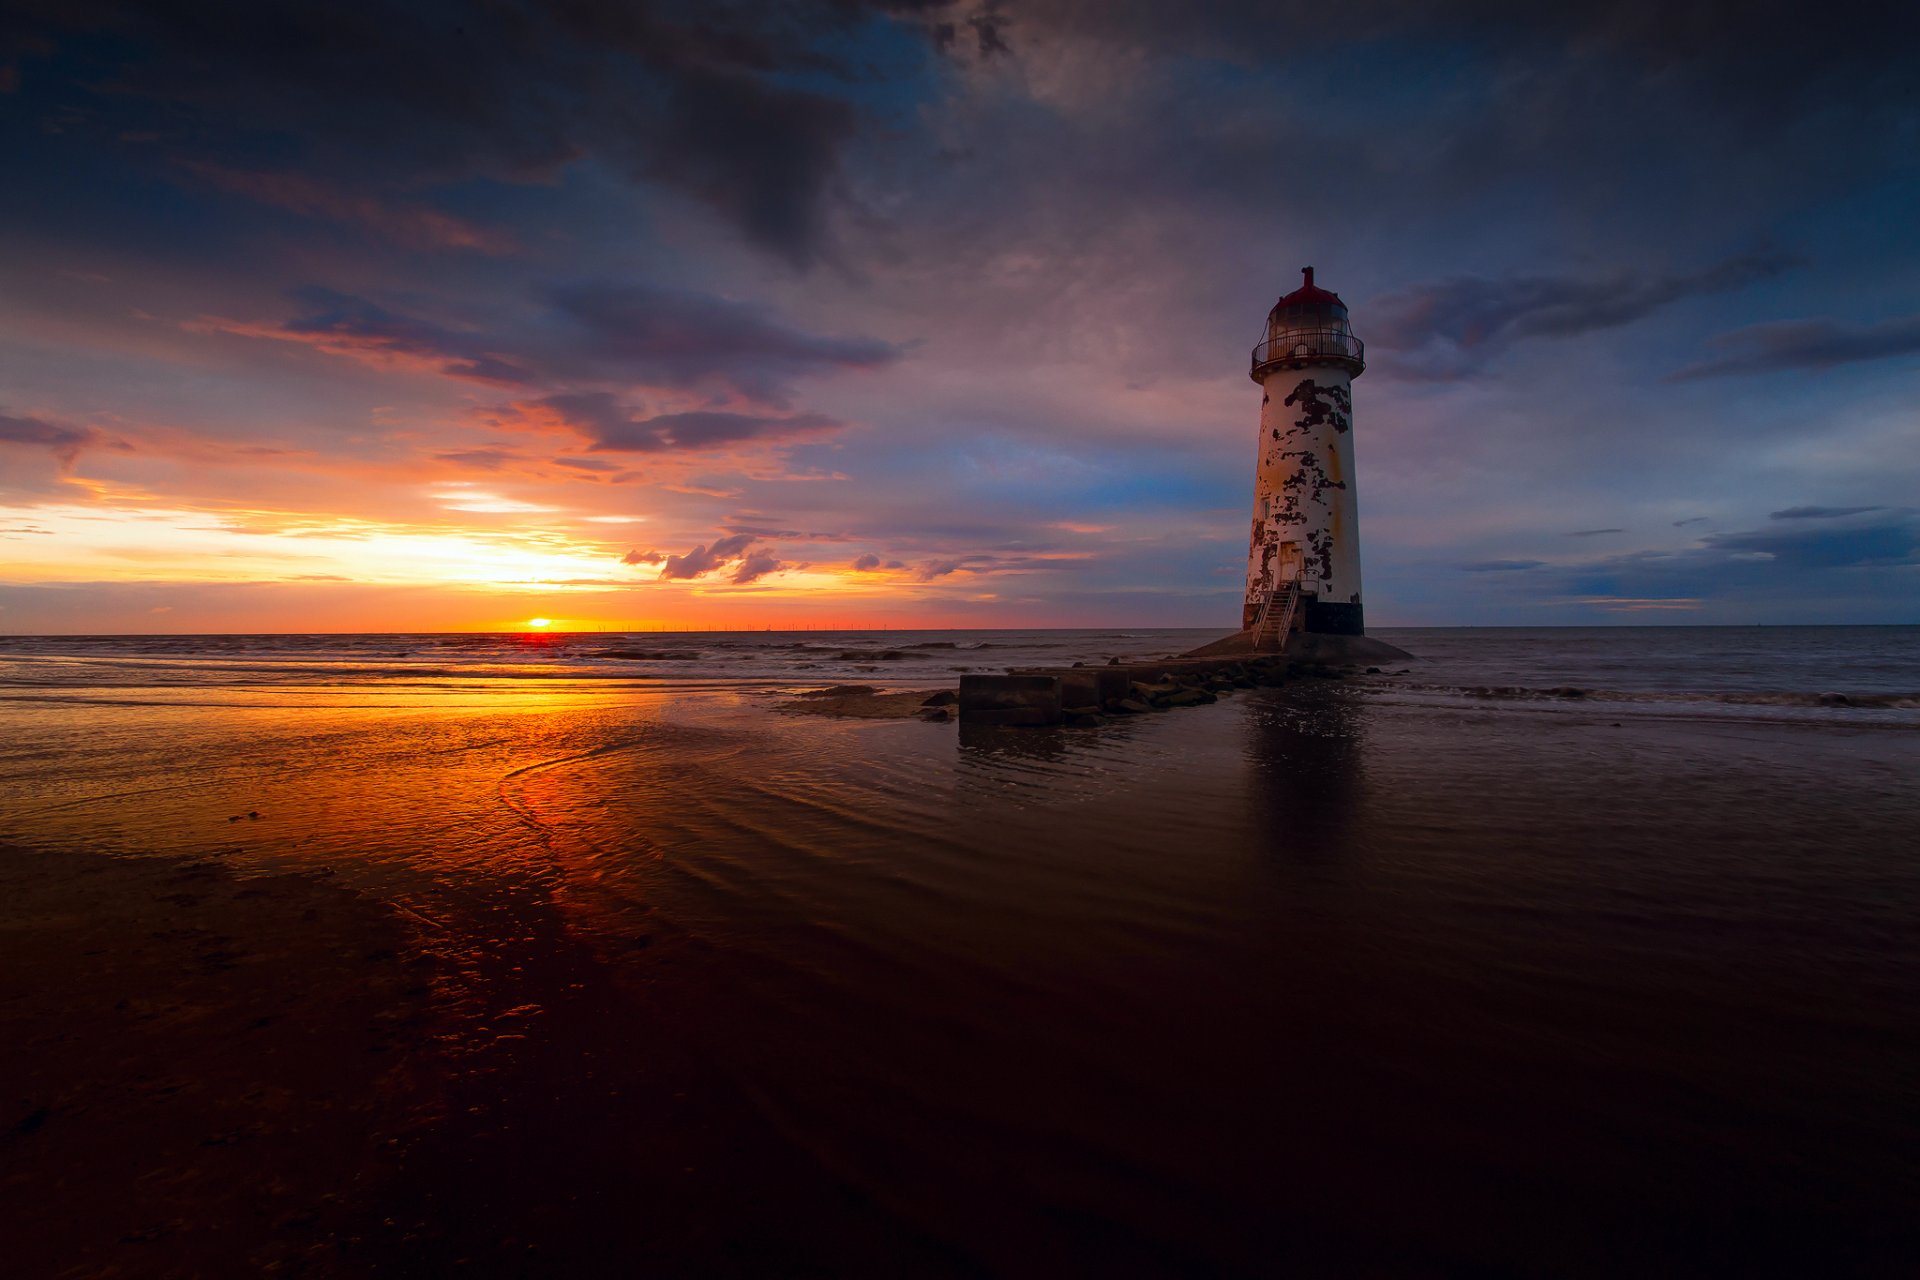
(539, 622)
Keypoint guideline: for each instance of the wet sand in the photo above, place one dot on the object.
(1409, 976)
(194, 1063)
(214, 1074)
(854, 702)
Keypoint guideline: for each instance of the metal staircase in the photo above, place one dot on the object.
(1275, 618)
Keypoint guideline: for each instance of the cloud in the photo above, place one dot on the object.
(867, 563)
(705, 559)
(625, 335)
(670, 338)
(1819, 513)
(1798, 559)
(478, 459)
(344, 325)
(613, 428)
(933, 569)
(704, 100)
(63, 440)
(1894, 541)
(1502, 566)
(414, 225)
(1452, 328)
(758, 565)
(1591, 533)
(1681, 524)
(637, 556)
(1804, 344)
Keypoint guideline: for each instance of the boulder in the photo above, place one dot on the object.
(944, 698)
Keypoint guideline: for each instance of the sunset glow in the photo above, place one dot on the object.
(381, 365)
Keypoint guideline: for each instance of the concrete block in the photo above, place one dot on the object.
(1011, 699)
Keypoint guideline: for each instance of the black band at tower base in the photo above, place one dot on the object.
(1331, 619)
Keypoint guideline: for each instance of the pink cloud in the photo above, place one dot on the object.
(411, 224)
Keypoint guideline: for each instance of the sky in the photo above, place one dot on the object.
(910, 313)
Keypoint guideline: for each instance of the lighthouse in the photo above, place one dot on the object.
(1303, 562)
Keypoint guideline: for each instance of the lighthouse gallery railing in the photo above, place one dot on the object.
(1308, 344)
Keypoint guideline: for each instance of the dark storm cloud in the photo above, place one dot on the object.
(699, 97)
(1805, 344)
(1452, 328)
(1819, 513)
(61, 439)
(1757, 54)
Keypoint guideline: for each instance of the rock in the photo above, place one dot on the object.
(1567, 691)
(1088, 721)
(839, 691)
(944, 698)
(1113, 662)
(1373, 671)
(1835, 700)
(1188, 698)
(851, 655)
(1131, 706)
(1081, 710)
(938, 715)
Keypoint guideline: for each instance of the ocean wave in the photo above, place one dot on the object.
(1756, 698)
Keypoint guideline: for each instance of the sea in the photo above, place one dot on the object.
(1571, 951)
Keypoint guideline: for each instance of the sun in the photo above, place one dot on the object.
(539, 622)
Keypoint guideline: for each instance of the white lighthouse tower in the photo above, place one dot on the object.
(1303, 564)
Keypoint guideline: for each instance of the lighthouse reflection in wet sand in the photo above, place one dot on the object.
(1305, 519)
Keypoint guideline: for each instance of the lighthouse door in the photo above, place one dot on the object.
(1289, 564)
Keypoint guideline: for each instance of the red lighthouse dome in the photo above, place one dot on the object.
(1308, 327)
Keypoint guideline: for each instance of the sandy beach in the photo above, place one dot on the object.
(197, 1062)
(575, 973)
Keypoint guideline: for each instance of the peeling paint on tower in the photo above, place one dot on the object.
(1305, 517)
